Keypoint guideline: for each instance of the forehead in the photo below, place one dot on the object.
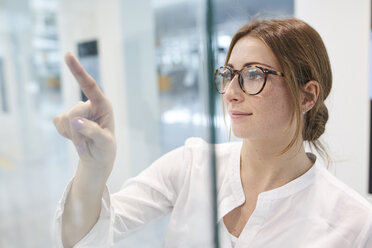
(252, 50)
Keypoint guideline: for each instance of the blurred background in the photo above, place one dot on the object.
(148, 58)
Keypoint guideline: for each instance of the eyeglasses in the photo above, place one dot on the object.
(252, 78)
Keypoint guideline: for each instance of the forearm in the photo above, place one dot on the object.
(83, 204)
(91, 128)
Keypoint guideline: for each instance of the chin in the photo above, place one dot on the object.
(242, 133)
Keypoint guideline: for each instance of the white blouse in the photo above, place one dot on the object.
(314, 210)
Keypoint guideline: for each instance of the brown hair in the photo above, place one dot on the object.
(302, 56)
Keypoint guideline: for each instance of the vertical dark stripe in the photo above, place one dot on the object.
(370, 152)
(211, 108)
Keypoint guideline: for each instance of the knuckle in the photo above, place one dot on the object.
(109, 137)
(78, 105)
(61, 130)
(68, 116)
(90, 84)
(61, 123)
(109, 104)
(56, 119)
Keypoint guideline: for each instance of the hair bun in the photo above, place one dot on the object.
(315, 121)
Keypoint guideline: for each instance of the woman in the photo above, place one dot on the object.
(271, 193)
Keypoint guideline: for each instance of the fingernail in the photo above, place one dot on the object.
(77, 123)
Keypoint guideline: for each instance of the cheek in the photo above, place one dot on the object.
(275, 110)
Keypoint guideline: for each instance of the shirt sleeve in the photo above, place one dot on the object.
(141, 200)
(100, 235)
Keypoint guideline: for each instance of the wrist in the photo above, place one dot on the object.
(90, 181)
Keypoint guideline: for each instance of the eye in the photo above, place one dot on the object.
(225, 73)
(253, 74)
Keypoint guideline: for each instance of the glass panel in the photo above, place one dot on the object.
(228, 18)
(370, 99)
(150, 60)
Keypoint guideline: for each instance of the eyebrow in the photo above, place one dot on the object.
(253, 63)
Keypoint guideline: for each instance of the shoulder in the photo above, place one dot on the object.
(194, 150)
(344, 209)
(342, 192)
(196, 142)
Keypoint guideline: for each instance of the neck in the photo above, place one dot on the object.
(263, 169)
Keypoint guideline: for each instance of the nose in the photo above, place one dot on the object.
(233, 92)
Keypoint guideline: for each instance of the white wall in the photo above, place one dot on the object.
(345, 28)
(21, 124)
(9, 119)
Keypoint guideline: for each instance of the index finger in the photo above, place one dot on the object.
(86, 82)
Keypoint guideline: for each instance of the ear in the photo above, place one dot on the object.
(310, 96)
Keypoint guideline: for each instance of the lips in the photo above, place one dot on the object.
(238, 114)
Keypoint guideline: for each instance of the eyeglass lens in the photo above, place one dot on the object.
(252, 79)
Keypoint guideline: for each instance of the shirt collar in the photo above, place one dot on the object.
(293, 186)
(237, 191)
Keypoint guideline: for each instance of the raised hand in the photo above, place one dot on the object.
(89, 125)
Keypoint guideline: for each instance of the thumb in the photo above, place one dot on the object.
(89, 129)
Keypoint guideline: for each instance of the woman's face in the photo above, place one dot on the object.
(268, 114)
